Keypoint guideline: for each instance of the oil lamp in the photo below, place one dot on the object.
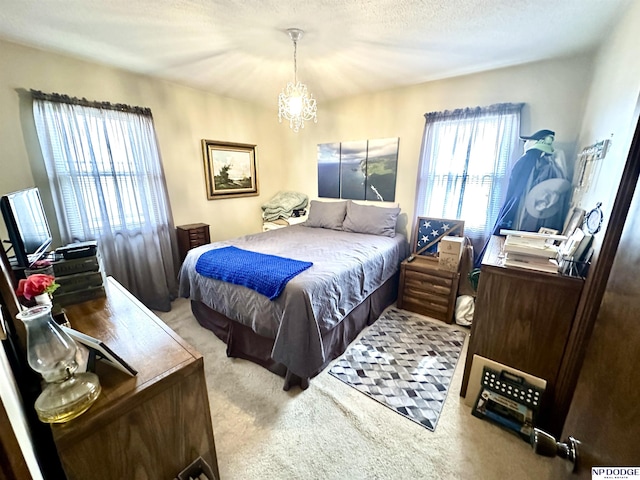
(52, 353)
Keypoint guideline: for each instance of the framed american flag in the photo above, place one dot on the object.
(429, 231)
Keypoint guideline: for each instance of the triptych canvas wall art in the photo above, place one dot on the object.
(358, 170)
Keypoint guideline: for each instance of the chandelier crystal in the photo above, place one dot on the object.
(295, 103)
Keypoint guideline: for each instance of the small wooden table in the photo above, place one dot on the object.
(191, 236)
(152, 425)
(427, 289)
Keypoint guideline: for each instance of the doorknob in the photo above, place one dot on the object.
(545, 444)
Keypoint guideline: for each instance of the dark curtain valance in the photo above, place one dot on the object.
(120, 107)
(498, 108)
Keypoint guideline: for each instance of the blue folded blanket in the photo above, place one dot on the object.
(266, 274)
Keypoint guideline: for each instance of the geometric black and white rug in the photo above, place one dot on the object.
(404, 362)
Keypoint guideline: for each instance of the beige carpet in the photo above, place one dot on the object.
(332, 431)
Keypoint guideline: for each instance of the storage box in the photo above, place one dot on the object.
(78, 281)
(449, 262)
(453, 245)
(450, 252)
(79, 296)
(76, 265)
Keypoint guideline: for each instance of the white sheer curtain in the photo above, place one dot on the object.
(108, 185)
(465, 160)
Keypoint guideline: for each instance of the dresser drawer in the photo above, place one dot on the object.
(191, 236)
(198, 237)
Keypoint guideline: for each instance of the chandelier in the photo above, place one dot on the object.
(295, 103)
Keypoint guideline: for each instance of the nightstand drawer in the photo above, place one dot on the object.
(429, 282)
(417, 295)
(434, 310)
(427, 289)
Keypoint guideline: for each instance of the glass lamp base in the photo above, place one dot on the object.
(61, 402)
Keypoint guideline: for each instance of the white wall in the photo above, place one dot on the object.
(183, 116)
(554, 93)
(611, 111)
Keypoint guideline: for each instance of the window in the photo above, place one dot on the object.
(108, 185)
(101, 172)
(465, 161)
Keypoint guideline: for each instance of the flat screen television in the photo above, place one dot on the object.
(27, 225)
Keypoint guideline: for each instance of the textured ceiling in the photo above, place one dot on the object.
(240, 48)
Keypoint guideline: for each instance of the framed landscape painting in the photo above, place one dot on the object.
(229, 169)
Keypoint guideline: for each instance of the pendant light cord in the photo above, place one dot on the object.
(295, 62)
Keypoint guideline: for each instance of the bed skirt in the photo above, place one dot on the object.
(242, 342)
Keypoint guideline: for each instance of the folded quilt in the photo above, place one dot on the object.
(283, 204)
(266, 274)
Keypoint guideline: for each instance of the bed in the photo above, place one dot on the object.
(353, 278)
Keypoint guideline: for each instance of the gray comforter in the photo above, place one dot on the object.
(347, 268)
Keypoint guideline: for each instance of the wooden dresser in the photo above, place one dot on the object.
(522, 319)
(427, 289)
(191, 236)
(150, 426)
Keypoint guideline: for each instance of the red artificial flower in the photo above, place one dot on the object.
(41, 264)
(36, 284)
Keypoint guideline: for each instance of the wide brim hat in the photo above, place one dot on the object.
(544, 200)
(539, 135)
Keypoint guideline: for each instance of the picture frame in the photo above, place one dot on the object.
(98, 350)
(428, 232)
(230, 169)
(574, 220)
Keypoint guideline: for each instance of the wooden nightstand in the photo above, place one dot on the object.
(191, 236)
(427, 289)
